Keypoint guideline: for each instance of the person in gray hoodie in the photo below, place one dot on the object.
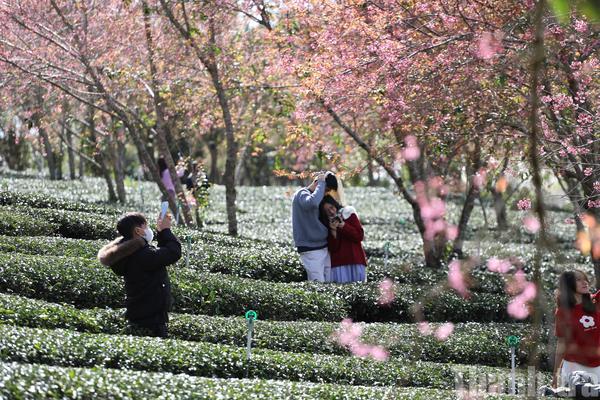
(310, 235)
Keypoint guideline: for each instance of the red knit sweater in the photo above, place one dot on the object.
(347, 248)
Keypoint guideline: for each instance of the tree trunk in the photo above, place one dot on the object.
(229, 176)
(499, 198)
(120, 170)
(371, 167)
(36, 120)
(463, 223)
(69, 138)
(500, 210)
(15, 149)
(162, 127)
(208, 60)
(370, 172)
(213, 175)
(81, 159)
(469, 204)
(98, 156)
(232, 146)
(240, 166)
(58, 159)
(575, 196)
(48, 153)
(70, 154)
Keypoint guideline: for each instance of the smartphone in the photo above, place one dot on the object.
(164, 207)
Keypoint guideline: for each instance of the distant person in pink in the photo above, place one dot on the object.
(166, 178)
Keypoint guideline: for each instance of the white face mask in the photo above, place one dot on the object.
(148, 235)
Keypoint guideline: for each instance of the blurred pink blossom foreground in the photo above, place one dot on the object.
(349, 336)
(387, 292)
(443, 332)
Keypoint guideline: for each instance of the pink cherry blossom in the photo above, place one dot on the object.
(387, 292)
(532, 224)
(379, 353)
(411, 153)
(580, 26)
(348, 335)
(191, 201)
(497, 265)
(517, 308)
(585, 119)
(524, 204)
(530, 291)
(424, 328)
(489, 44)
(451, 232)
(593, 203)
(561, 102)
(444, 331)
(479, 179)
(456, 279)
(360, 349)
(517, 284)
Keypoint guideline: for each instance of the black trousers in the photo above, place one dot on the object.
(148, 329)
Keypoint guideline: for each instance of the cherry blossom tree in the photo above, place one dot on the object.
(418, 73)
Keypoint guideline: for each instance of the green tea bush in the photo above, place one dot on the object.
(42, 382)
(43, 200)
(71, 224)
(69, 348)
(210, 252)
(18, 223)
(86, 283)
(277, 265)
(472, 343)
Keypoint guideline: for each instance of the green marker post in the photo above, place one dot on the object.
(513, 343)
(251, 316)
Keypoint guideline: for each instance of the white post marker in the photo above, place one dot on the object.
(513, 342)
(251, 315)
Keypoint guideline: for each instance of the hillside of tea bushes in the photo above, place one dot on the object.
(62, 332)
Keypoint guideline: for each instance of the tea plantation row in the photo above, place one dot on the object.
(72, 349)
(40, 382)
(85, 283)
(470, 343)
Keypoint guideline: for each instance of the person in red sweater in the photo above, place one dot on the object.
(577, 328)
(348, 259)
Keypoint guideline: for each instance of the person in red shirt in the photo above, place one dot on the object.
(348, 259)
(577, 328)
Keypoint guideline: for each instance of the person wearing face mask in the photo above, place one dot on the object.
(143, 267)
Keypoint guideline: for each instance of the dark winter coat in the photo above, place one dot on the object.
(143, 267)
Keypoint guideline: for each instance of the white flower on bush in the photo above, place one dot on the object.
(587, 321)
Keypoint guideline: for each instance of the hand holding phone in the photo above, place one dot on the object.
(164, 223)
(164, 207)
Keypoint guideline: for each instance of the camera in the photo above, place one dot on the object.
(337, 218)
